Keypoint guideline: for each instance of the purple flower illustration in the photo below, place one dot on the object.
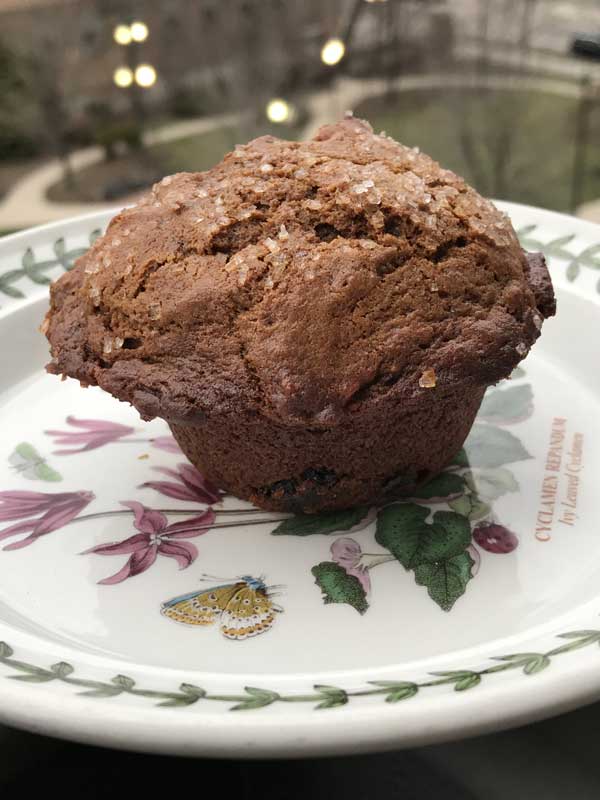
(191, 485)
(166, 443)
(347, 553)
(43, 513)
(94, 433)
(156, 537)
(495, 538)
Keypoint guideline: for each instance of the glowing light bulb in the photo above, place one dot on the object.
(278, 110)
(123, 77)
(145, 75)
(122, 34)
(139, 31)
(332, 52)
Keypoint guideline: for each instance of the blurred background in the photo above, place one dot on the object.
(100, 98)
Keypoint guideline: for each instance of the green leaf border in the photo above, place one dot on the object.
(558, 248)
(35, 271)
(321, 696)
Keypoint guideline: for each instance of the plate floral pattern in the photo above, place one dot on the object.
(440, 552)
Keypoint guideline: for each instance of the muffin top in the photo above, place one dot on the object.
(300, 280)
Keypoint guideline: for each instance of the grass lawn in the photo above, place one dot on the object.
(514, 145)
(136, 170)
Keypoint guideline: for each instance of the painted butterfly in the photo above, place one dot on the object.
(26, 460)
(244, 607)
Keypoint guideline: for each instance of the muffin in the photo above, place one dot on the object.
(317, 322)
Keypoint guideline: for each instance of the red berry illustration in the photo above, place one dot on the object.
(495, 538)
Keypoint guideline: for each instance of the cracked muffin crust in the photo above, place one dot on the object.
(316, 321)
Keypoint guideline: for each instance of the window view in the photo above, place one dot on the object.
(100, 98)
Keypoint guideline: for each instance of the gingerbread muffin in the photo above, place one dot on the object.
(317, 322)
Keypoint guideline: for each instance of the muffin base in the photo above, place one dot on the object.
(377, 454)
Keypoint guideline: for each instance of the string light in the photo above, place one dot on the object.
(123, 77)
(139, 31)
(278, 110)
(145, 75)
(332, 52)
(122, 34)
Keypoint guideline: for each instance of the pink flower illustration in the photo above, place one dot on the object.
(347, 553)
(156, 537)
(95, 433)
(191, 485)
(166, 443)
(495, 538)
(42, 512)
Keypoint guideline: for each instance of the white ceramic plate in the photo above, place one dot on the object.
(493, 623)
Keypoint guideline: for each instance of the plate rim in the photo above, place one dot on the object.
(379, 725)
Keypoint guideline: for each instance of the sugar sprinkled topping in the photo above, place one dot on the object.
(313, 205)
(266, 167)
(271, 244)
(283, 234)
(246, 213)
(107, 346)
(428, 379)
(521, 348)
(301, 173)
(367, 244)
(118, 342)
(362, 187)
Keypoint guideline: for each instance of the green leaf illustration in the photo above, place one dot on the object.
(257, 698)
(462, 679)
(41, 677)
(573, 271)
(398, 690)
(8, 278)
(124, 681)
(490, 484)
(326, 523)
(401, 529)
(339, 587)
(62, 669)
(556, 246)
(192, 691)
(447, 580)
(489, 446)
(28, 260)
(531, 662)
(513, 404)
(59, 248)
(6, 650)
(441, 488)
(103, 690)
(332, 696)
(470, 506)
